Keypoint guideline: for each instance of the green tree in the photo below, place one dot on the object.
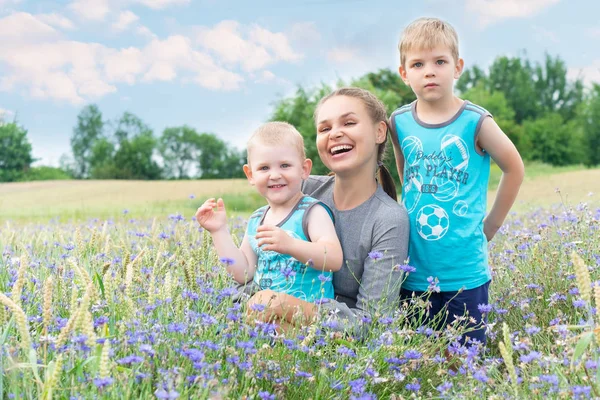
(591, 125)
(471, 78)
(179, 148)
(136, 145)
(298, 110)
(553, 140)
(89, 129)
(555, 93)
(503, 114)
(217, 160)
(513, 76)
(102, 160)
(15, 152)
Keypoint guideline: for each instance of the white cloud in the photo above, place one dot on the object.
(276, 42)
(126, 18)
(342, 55)
(159, 4)
(589, 74)
(145, 32)
(39, 62)
(56, 20)
(252, 48)
(123, 65)
(23, 26)
(94, 10)
(491, 11)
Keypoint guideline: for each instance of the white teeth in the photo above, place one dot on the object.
(340, 148)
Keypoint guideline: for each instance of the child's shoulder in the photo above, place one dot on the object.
(475, 108)
(402, 109)
(259, 213)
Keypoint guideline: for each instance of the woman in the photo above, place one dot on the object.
(372, 227)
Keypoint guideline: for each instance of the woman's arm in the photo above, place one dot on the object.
(382, 277)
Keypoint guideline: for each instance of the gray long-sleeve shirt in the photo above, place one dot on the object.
(374, 238)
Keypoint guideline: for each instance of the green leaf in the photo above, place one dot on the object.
(582, 344)
(33, 363)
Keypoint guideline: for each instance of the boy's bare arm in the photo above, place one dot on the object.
(241, 262)
(324, 249)
(505, 154)
(213, 217)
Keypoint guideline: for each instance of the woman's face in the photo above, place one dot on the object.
(347, 137)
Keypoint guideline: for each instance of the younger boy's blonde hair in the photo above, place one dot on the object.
(425, 34)
(274, 134)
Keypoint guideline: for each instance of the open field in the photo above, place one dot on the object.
(142, 308)
(77, 200)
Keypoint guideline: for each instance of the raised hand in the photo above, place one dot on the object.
(273, 238)
(212, 215)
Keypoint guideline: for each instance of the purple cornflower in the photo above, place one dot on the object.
(433, 284)
(132, 359)
(444, 387)
(581, 391)
(527, 358)
(484, 308)
(302, 374)
(226, 260)
(101, 383)
(164, 395)
(266, 396)
(578, 303)
(258, 307)
(407, 268)
(324, 278)
(481, 376)
(358, 386)
(375, 255)
(532, 330)
(413, 387)
(346, 351)
(412, 355)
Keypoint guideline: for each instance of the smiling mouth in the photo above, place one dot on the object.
(344, 148)
(276, 186)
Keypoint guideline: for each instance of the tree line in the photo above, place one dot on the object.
(549, 117)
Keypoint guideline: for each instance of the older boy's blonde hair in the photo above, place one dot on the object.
(425, 34)
(274, 134)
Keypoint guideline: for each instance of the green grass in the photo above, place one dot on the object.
(533, 170)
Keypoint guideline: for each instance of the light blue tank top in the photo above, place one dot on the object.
(445, 193)
(282, 272)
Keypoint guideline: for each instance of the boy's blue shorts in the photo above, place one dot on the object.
(457, 304)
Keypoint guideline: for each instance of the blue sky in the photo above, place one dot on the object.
(219, 65)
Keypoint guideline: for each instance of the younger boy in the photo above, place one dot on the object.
(443, 147)
(290, 245)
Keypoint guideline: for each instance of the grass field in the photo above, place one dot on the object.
(140, 306)
(77, 200)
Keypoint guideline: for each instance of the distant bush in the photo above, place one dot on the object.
(45, 173)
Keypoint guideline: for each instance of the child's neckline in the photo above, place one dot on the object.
(413, 109)
(283, 221)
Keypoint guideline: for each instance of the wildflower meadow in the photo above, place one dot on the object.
(130, 308)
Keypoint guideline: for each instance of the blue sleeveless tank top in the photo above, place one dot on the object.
(282, 272)
(445, 193)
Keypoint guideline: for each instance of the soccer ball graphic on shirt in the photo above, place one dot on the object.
(432, 222)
